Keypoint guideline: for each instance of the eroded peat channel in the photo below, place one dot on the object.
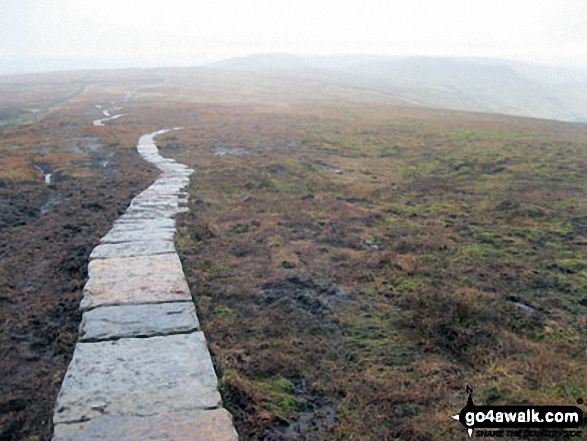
(141, 368)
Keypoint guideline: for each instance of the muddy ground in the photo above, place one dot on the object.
(43, 268)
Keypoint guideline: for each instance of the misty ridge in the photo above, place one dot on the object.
(471, 84)
(467, 84)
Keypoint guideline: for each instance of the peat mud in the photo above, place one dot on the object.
(303, 295)
(304, 412)
(43, 267)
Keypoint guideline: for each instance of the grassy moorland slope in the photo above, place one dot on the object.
(356, 262)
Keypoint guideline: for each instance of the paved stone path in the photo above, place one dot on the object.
(141, 369)
(108, 115)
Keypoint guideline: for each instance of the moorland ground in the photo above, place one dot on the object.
(355, 261)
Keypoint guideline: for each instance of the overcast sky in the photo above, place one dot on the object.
(60, 34)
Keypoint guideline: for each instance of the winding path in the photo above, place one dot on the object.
(141, 369)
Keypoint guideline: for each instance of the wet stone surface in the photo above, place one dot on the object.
(135, 280)
(138, 376)
(112, 322)
(138, 213)
(118, 236)
(131, 249)
(143, 224)
(210, 425)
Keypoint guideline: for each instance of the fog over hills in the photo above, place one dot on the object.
(475, 84)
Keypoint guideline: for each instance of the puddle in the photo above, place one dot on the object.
(330, 167)
(271, 145)
(102, 163)
(46, 172)
(522, 306)
(86, 144)
(221, 150)
(525, 308)
(305, 423)
(48, 177)
(52, 201)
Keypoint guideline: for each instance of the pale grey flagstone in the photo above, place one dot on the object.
(131, 249)
(140, 225)
(135, 280)
(113, 322)
(152, 214)
(138, 376)
(200, 425)
(144, 223)
(118, 236)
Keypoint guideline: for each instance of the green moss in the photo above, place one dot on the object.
(223, 312)
(571, 389)
(491, 134)
(403, 284)
(424, 168)
(488, 237)
(212, 267)
(371, 337)
(483, 252)
(279, 396)
(241, 228)
(572, 265)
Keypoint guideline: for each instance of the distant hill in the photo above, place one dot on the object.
(475, 84)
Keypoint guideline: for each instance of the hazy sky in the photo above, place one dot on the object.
(39, 34)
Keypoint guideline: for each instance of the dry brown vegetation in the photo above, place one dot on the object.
(46, 234)
(356, 261)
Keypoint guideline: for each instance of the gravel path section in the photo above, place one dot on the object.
(141, 368)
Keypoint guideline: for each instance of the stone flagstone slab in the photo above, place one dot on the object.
(168, 188)
(135, 280)
(111, 322)
(155, 197)
(157, 204)
(161, 265)
(132, 249)
(199, 425)
(142, 211)
(136, 214)
(120, 236)
(138, 224)
(138, 376)
(162, 193)
(145, 225)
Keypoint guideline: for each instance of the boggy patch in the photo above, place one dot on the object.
(43, 267)
(275, 381)
(303, 294)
